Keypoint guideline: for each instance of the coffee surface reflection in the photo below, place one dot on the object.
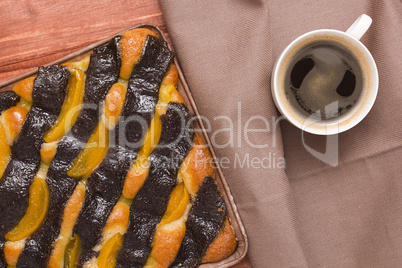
(324, 80)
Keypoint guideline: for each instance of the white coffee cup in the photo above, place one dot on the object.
(349, 41)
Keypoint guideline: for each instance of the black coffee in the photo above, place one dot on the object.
(324, 79)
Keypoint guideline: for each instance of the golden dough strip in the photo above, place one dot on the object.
(115, 98)
(96, 148)
(12, 119)
(83, 166)
(11, 122)
(38, 192)
(171, 230)
(118, 219)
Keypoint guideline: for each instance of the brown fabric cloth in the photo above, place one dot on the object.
(309, 214)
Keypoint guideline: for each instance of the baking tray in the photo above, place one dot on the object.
(184, 90)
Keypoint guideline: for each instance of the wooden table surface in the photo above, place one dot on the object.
(36, 32)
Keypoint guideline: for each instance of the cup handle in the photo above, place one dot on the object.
(360, 26)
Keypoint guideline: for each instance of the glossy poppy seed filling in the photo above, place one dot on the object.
(99, 163)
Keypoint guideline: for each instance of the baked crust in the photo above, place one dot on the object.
(124, 181)
(223, 246)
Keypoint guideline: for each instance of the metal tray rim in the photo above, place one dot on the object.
(234, 216)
